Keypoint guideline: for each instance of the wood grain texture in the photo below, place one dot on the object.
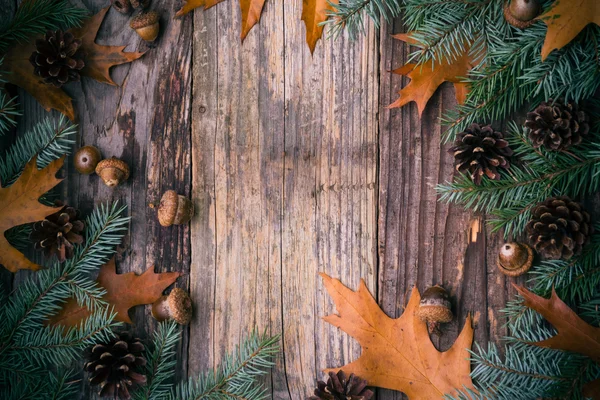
(295, 167)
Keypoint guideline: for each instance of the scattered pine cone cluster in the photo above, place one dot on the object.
(342, 387)
(57, 234)
(559, 228)
(58, 58)
(556, 125)
(115, 366)
(481, 150)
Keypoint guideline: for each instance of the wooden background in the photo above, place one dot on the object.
(295, 166)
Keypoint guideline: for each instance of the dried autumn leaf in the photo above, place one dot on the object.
(123, 291)
(565, 20)
(251, 10)
(314, 12)
(397, 353)
(574, 334)
(192, 4)
(425, 79)
(98, 61)
(19, 204)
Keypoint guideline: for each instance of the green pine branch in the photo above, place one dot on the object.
(36, 17)
(542, 174)
(349, 15)
(25, 341)
(8, 107)
(238, 375)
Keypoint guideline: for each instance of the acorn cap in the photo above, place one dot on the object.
(112, 171)
(435, 305)
(521, 13)
(177, 306)
(144, 19)
(515, 258)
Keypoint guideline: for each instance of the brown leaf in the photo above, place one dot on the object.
(425, 79)
(99, 59)
(314, 12)
(574, 334)
(21, 74)
(251, 10)
(19, 205)
(397, 353)
(192, 4)
(123, 291)
(565, 20)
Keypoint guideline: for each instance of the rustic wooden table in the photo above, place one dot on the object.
(295, 167)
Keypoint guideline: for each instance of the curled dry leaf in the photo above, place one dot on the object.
(19, 205)
(98, 61)
(425, 79)
(123, 291)
(398, 353)
(565, 20)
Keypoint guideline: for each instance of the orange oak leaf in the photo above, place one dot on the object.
(191, 4)
(565, 20)
(251, 10)
(398, 353)
(19, 204)
(99, 59)
(574, 334)
(20, 73)
(425, 79)
(123, 291)
(314, 12)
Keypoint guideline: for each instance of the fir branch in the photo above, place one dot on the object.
(36, 300)
(49, 139)
(349, 15)
(36, 17)
(161, 363)
(238, 374)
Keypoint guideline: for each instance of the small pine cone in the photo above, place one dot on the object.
(481, 150)
(58, 233)
(340, 387)
(58, 58)
(556, 125)
(114, 366)
(559, 228)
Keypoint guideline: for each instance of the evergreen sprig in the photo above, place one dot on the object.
(349, 15)
(542, 174)
(27, 346)
(36, 17)
(8, 107)
(237, 377)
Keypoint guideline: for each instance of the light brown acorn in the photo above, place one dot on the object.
(86, 159)
(146, 25)
(112, 171)
(176, 306)
(515, 258)
(435, 308)
(174, 209)
(521, 13)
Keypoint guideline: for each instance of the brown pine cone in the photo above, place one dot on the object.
(115, 366)
(559, 228)
(481, 150)
(58, 233)
(340, 387)
(58, 58)
(557, 126)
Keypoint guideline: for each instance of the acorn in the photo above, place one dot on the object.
(435, 308)
(86, 159)
(521, 13)
(142, 4)
(174, 209)
(112, 171)
(146, 25)
(176, 306)
(515, 258)
(122, 6)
